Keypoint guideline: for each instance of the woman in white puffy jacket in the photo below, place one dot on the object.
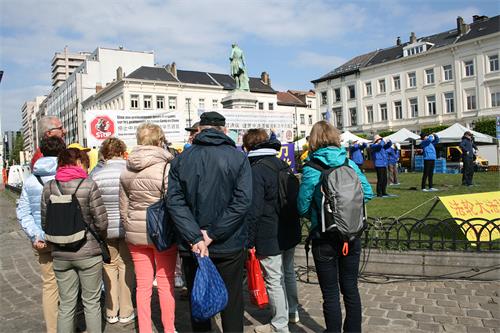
(119, 274)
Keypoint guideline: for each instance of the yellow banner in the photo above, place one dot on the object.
(478, 205)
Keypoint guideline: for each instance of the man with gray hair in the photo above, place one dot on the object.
(49, 126)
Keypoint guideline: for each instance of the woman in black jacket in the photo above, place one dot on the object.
(274, 242)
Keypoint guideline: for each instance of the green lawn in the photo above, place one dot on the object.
(410, 195)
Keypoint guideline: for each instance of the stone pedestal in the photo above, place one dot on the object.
(239, 99)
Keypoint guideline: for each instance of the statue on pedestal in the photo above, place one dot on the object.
(239, 68)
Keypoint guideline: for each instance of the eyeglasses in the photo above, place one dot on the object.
(56, 128)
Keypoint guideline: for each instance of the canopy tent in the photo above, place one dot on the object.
(455, 132)
(403, 135)
(348, 136)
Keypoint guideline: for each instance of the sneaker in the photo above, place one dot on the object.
(397, 184)
(127, 319)
(268, 328)
(293, 317)
(112, 319)
(425, 190)
(155, 284)
(179, 282)
(433, 189)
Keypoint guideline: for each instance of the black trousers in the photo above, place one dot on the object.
(428, 172)
(381, 181)
(337, 272)
(468, 171)
(230, 267)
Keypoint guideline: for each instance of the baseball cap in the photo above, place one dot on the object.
(212, 118)
(78, 146)
(193, 128)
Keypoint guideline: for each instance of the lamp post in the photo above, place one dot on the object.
(189, 111)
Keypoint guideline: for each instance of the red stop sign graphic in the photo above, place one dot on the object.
(102, 127)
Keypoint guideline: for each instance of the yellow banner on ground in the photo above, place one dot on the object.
(478, 205)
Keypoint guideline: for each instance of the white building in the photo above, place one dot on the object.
(29, 112)
(95, 72)
(64, 63)
(449, 77)
(302, 104)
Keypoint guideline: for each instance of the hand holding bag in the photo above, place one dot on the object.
(209, 294)
(256, 285)
(158, 223)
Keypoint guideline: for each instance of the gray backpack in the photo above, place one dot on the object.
(342, 205)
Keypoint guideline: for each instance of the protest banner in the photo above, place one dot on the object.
(478, 205)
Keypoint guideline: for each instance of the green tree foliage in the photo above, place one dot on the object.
(17, 147)
(435, 129)
(362, 135)
(486, 126)
(386, 133)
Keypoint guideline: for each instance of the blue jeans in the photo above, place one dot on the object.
(334, 270)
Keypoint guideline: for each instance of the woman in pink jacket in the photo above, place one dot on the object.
(140, 187)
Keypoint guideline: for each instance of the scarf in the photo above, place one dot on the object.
(263, 152)
(70, 172)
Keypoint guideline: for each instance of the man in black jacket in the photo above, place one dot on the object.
(468, 156)
(209, 194)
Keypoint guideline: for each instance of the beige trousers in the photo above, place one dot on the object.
(50, 294)
(119, 279)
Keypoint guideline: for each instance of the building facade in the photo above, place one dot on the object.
(449, 77)
(95, 72)
(29, 112)
(302, 104)
(64, 63)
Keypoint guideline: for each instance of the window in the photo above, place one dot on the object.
(271, 106)
(493, 60)
(368, 86)
(352, 92)
(381, 86)
(302, 134)
(449, 102)
(302, 119)
(369, 113)
(354, 116)
(412, 80)
(309, 105)
(471, 101)
(324, 99)
(134, 101)
(398, 110)
(172, 103)
(431, 105)
(188, 104)
(469, 68)
(310, 119)
(383, 111)
(448, 73)
(160, 102)
(338, 117)
(261, 106)
(397, 82)
(429, 76)
(201, 103)
(337, 95)
(215, 104)
(414, 107)
(495, 99)
(147, 102)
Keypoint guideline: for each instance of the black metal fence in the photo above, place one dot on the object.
(452, 234)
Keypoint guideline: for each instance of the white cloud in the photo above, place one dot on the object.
(11, 101)
(428, 21)
(316, 60)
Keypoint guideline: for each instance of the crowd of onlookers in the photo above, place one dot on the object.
(221, 201)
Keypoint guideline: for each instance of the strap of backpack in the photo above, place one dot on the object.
(162, 191)
(77, 187)
(268, 164)
(39, 180)
(316, 164)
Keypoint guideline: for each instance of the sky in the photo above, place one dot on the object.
(295, 41)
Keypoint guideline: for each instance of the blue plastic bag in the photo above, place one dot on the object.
(209, 294)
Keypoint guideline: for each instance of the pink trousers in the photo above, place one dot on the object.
(146, 258)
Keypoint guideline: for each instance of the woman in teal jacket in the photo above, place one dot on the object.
(333, 269)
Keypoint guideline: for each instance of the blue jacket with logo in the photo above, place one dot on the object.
(356, 153)
(379, 153)
(428, 146)
(392, 155)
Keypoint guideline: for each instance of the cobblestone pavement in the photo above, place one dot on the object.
(405, 306)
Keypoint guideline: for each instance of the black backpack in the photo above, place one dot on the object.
(343, 208)
(288, 186)
(65, 226)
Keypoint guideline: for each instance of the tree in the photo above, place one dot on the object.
(435, 129)
(386, 133)
(486, 126)
(16, 149)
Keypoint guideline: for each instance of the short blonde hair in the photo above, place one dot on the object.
(149, 134)
(323, 134)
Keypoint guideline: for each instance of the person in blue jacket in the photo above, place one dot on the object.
(334, 270)
(393, 158)
(429, 151)
(469, 150)
(28, 215)
(356, 153)
(381, 161)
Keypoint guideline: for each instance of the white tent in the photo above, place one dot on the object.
(403, 135)
(455, 132)
(300, 143)
(348, 136)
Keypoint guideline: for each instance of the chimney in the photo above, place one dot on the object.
(264, 77)
(413, 38)
(462, 27)
(476, 18)
(98, 87)
(398, 41)
(173, 69)
(119, 73)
